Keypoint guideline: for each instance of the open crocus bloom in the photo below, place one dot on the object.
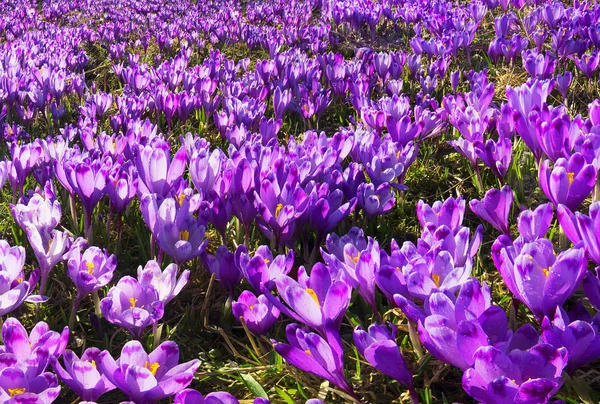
(147, 378)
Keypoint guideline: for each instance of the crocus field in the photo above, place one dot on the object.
(299, 201)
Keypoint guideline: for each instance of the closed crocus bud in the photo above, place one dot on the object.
(494, 208)
(147, 378)
(82, 375)
(455, 80)
(259, 314)
(563, 82)
(223, 266)
(189, 396)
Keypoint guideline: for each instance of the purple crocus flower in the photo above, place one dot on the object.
(148, 378)
(158, 173)
(223, 266)
(591, 286)
(325, 212)
(17, 387)
(494, 208)
(315, 300)
(131, 306)
(580, 227)
(177, 230)
(258, 313)
(577, 332)
(14, 287)
(531, 376)
(82, 375)
(164, 282)
(375, 201)
(23, 158)
(310, 352)
(495, 155)
(535, 224)
(262, 268)
(569, 182)
(449, 213)
(91, 270)
(378, 346)
(535, 275)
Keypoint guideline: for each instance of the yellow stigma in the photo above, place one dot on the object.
(152, 367)
(354, 259)
(181, 198)
(15, 392)
(398, 154)
(251, 307)
(436, 279)
(184, 235)
(278, 210)
(546, 271)
(308, 352)
(93, 362)
(90, 267)
(313, 295)
(398, 269)
(571, 178)
(19, 280)
(132, 301)
(266, 260)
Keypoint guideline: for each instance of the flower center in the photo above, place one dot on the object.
(152, 367)
(313, 295)
(19, 280)
(571, 178)
(184, 235)
(93, 362)
(308, 352)
(278, 210)
(90, 267)
(436, 279)
(17, 391)
(251, 307)
(132, 301)
(354, 259)
(181, 198)
(546, 271)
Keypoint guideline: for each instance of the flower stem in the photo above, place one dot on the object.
(73, 314)
(96, 303)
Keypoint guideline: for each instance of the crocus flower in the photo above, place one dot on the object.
(494, 208)
(378, 346)
(148, 378)
(178, 231)
(591, 287)
(315, 300)
(158, 173)
(310, 352)
(531, 376)
(91, 270)
(569, 182)
(535, 224)
(262, 268)
(259, 314)
(535, 275)
(82, 375)
(131, 306)
(223, 266)
(585, 228)
(578, 335)
(375, 201)
(496, 155)
(14, 287)
(449, 212)
(23, 158)
(164, 282)
(17, 387)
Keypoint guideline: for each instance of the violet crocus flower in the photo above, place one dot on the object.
(164, 282)
(23, 158)
(375, 201)
(569, 182)
(223, 266)
(580, 227)
(258, 313)
(494, 208)
(535, 224)
(314, 300)
(90, 270)
(262, 268)
(82, 375)
(318, 356)
(14, 287)
(378, 346)
(17, 387)
(131, 306)
(178, 231)
(449, 213)
(531, 376)
(496, 155)
(38, 219)
(577, 332)
(147, 378)
(158, 173)
(535, 275)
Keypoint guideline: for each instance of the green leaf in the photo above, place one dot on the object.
(254, 386)
(286, 397)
